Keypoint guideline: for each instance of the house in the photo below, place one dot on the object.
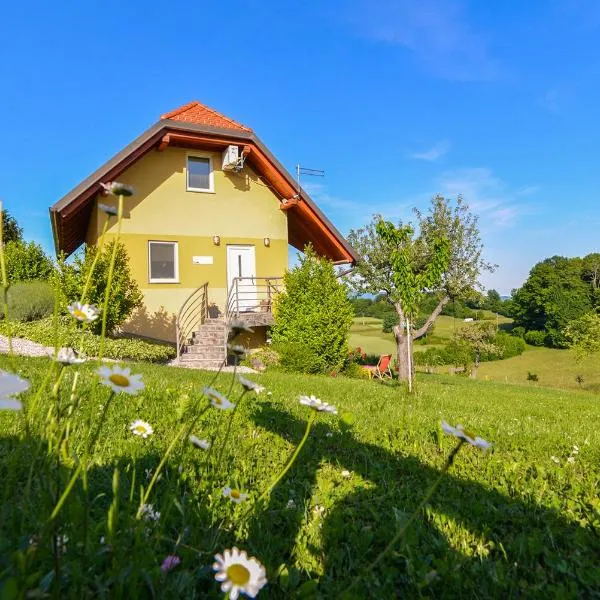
(207, 231)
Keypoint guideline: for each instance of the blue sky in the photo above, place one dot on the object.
(395, 100)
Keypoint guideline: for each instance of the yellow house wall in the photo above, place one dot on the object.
(241, 210)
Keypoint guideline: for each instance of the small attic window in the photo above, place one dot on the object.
(199, 174)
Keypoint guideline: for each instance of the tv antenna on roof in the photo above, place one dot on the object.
(306, 171)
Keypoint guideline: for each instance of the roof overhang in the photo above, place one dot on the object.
(306, 223)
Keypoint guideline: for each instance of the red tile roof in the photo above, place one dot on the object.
(197, 113)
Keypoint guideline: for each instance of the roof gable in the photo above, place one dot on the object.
(199, 114)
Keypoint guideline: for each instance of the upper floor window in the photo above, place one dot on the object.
(163, 262)
(199, 174)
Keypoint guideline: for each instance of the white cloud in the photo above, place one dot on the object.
(436, 151)
(437, 32)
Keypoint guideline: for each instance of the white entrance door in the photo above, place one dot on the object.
(241, 262)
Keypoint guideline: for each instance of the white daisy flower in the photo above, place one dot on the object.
(234, 494)
(9, 386)
(571, 460)
(575, 449)
(346, 474)
(239, 574)
(216, 399)
(250, 386)
(86, 313)
(149, 513)
(236, 327)
(142, 428)
(202, 444)
(291, 504)
(318, 405)
(68, 356)
(459, 432)
(111, 211)
(121, 380)
(555, 460)
(117, 189)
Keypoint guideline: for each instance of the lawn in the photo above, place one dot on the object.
(520, 521)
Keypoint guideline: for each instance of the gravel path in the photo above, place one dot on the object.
(25, 347)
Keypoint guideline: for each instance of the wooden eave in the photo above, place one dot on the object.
(306, 223)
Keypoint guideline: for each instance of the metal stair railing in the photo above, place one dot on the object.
(251, 295)
(192, 314)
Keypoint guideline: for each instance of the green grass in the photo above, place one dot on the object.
(510, 523)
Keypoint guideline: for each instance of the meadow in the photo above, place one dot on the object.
(553, 367)
(519, 521)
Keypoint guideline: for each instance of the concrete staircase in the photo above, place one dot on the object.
(206, 349)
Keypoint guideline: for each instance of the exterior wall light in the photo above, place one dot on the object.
(216, 240)
(267, 242)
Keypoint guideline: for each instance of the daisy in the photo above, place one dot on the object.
(346, 474)
(117, 189)
(86, 313)
(555, 460)
(239, 574)
(202, 444)
(459, 432)
(68, 356)
(121, 380)
(111, 211)
(170, 563)
(216, 399)
(250, 386)
(236, 327)
(9, 386)
(234, 494)
(316, 404)
(571, 460)
(142, 428)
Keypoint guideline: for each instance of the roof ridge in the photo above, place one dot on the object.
(215, 113)
(179, 110)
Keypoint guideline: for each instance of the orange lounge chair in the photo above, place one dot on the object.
(383, 367)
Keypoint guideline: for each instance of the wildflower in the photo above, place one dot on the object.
(291, 504)
(460, 433)
(121, 380)
(237, 350)
(329, 434)
(149, 513)
(346, 474)
(575, 450)
(555, 460)
(202, 444)
(239, 574)
(319, 510)
(61, 543)
(234, 494)
(68, 356)
(86, 313)
(142, 428)
(571, 460)
(148, 474)
(117, 189)
(111, 211)
(9, 386)
(217, 400)
(170, 563)
(318, 405)
(236, 327)
(250, 386)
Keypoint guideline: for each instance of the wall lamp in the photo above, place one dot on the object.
(267, 242)
(217, 240)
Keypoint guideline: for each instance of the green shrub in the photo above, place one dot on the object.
(30, 300)
(26, 261)
(125, 294)
(313, 317)
(390, 320)
(535, 338)
(262, 359)
(518, 331)
(67, 334)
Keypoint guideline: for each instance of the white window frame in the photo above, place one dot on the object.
(211, 176)
(175, 255)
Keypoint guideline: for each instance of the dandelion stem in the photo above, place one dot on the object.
(402, 530)
(5, 282)
(227, 432)
(111, 271)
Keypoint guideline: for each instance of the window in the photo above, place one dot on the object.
(199, 174)
(163, 262)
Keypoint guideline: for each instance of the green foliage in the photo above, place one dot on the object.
(125, 292)
(518, 331)
(555, 293)
(583, 335)
(532, 376)
(26, 261)
(535, 337)
(312, 317)
(11, 232)
(390, 320)
(66, 334)
(30, 300)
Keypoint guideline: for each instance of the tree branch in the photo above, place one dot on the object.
(432, 317)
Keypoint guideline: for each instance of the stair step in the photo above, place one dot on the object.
(201, 364)
(205, 353)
